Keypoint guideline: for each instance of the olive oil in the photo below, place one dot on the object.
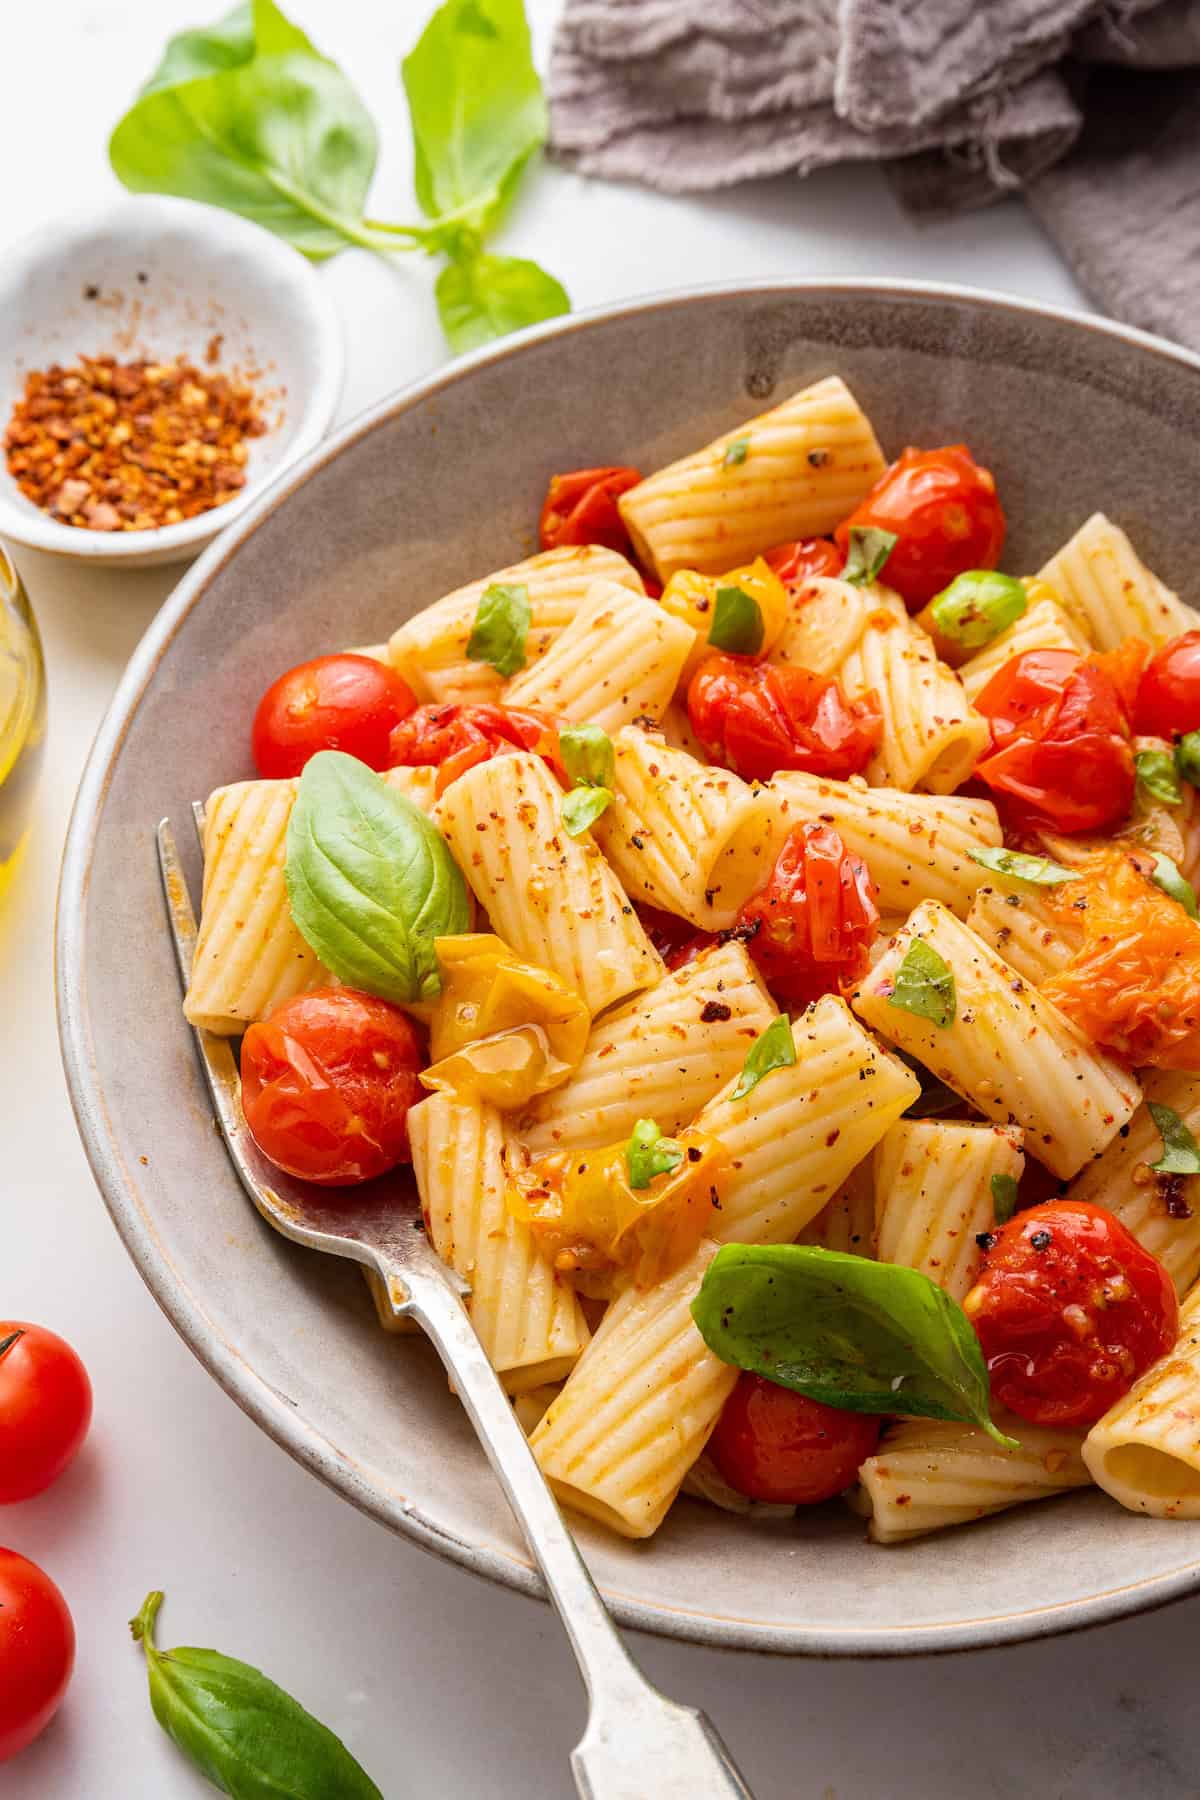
(22, 720)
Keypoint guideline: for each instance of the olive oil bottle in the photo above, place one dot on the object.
(22, 720)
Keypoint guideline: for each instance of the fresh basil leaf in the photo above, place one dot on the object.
(774, 1048)
(1039, 871)
(370, 880)
(205, 50)
(501, 627)
(243, 1732)
(1181, 1155)
(1187, 757)
(925, 985)
(737, 622)
(1004, 1197)
(648, 1153)
(868, 552)
(484, 297)
(580, 809)
(1155, 770)
(978, 606)
(587, 755)
(735, 453)
(1167, 877)
(862, 1335)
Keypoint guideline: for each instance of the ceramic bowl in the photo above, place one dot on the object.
(161, 277)
(428, 489)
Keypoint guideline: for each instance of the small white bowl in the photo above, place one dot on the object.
(163, 277)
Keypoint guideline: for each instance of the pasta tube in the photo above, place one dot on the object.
(1045, 626)
(619, 659)
(847, 1222)
(1021, 928)
(930, 1473)
(1110, 591)
(824, 624)
(933, 1195)
(1145, 1451)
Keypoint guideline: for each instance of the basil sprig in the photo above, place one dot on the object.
(737, 622)
(1038, 870)
(977, 606)
(1167, 877)
(242, 1732)
(501, 627)
(735, 453)
(868, 551)
(648, 1153)
(1187, 757)
(1156, 776)
(1181, 1155)
(925, 985)
(866, 1336)
(1004, 1197)
(248, 115)
(370, 880)
(587, 755)
(774, 1048)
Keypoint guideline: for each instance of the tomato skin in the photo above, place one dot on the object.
(759, 717)
(349, 703)
(801, 561)
(581, 508)
(946, 514)
(771, 1443)
(37, 1652)
(677, 941)
(455, 738)
(1069, 1311)
(45, 1409)
(327, 1081)
(810, 927)
(1168, 700)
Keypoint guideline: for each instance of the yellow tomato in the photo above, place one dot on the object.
(501, 1030)
(693, 598)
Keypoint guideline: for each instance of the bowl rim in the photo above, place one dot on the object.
(209, 227)
(239, 1380)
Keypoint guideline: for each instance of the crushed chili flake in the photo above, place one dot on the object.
(112, 446)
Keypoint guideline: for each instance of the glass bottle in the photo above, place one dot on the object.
(22, 719)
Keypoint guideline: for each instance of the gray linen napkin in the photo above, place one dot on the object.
(1089, 105)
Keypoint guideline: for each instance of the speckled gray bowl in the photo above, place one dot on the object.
(425, 491)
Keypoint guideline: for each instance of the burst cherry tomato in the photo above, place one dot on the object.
(349, 703)
(1060, 742)
(1070, 1310)
(945, 513)
(1168, 702)
(455, 738)
(37, 1652)
(45, 1408)
(759, 717)
(810, 927)
(581, 508)
(800, 562)
(676, 940)
(773, 1444)
(327, 1081)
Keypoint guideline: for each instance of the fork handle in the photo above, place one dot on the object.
(637, 1742)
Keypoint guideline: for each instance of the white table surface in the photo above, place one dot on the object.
(441, 1684)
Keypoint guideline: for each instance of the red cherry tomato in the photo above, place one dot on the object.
(759, 717)
(455, 738)
(581, 508)
(773, 1444)
(800, 562)
(945, 513)
(349, 703)
(327, 1081)
(1069, 1310)
(1060, 742)
(45, 1408)
(37, 1651)
(1168, 701)
(676, 940)
(810, 927)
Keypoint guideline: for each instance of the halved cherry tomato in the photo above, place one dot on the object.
(1060, 742)
(581, 508)
(945, 513)
(349, 703)
(1069, 1310)
(456, 737)
(773, 1444)
(810, 927)
(327, 1081)
(1168, 701)
(800, 562)
(45, 1408)
(37, 1651)
(758, 717)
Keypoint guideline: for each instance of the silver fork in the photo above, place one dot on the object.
(638, 1745)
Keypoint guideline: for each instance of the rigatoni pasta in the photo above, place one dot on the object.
(934, 1195)
(1110, 591)
(618, 660)
(1145, 1451)
(929, 1474)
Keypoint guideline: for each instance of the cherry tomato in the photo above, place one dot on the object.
(327, 1081)
(676, 940)
(773, 1444)
(759, 717)
(456, 737)
(581, 508)
(37, 1651)
(798, 563)
(1060, 742)
(945, 513)
(45, 1408)
(810, 927)
(1168, 701)
(1069, 1310)
(349, 703)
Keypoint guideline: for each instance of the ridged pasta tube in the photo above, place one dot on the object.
(1022, 928)
(825, 621)
(1046, 626)
(1007, 1050)
(619, 659)
(1164, 1217)
(796, 472)
(930, 1473)
(1145, 1451)
(847, 1222)
(430, 649)
(1110, 591)
(552, 897)
(933, 1195)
